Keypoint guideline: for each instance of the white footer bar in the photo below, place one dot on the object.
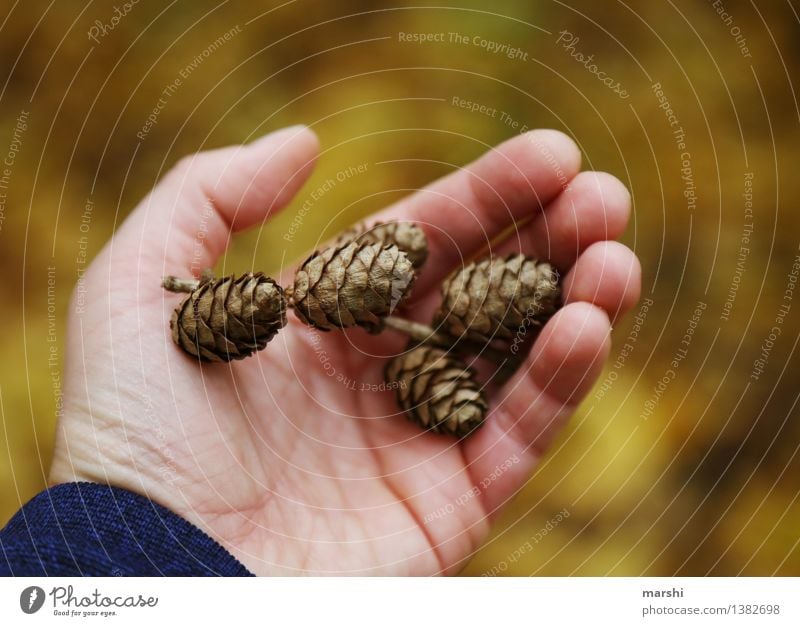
(401, 601)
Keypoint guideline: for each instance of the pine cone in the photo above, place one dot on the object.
(492, 298)
(437, 390)
(229, 318)
(405, 235)
(357, 284)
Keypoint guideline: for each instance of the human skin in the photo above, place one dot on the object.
(288, 468)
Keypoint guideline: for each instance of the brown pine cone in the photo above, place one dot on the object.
(357, 284)
(437, 390)
(492, 298)
(405, 235)
(229, 318)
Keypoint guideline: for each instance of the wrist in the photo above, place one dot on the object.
(94, 451)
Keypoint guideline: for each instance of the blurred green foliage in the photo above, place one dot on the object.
(706, 484)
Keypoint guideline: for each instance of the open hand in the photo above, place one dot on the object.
(295, 469)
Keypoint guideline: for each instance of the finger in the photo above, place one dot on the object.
(608, 275)
(595, 207)
(565, 362)
(463, 211)
(187, 220)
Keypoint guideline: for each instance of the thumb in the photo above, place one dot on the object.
(185, 224)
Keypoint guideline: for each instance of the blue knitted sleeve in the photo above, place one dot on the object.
(87, 529)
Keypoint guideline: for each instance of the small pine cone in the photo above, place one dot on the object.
(357, 284)
(437, 390)
(491, 299)
(405, 235)
(229, 318)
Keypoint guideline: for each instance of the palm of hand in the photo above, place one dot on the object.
(286, 458)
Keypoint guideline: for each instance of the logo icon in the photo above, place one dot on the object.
(31, 599)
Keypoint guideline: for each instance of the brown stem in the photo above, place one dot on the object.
(422, 333)
(415, 330)
(179, 285)
(418, 332)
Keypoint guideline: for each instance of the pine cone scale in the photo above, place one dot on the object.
(408, 237)
(490, 299)
(437, 390)
(229, 318)
(357, 284)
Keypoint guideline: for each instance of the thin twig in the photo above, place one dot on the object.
(420, 333)
(186, 285)
(179, 285)
(425, 334)
(415, 330)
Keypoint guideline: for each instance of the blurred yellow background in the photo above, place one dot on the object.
(697, 475)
